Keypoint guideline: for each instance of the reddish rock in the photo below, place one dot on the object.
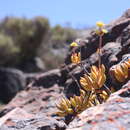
(17, 114)
(35, 105)
(36, 99)
(112, 115)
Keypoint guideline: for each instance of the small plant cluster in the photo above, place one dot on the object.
(93, 90)
(121, 71)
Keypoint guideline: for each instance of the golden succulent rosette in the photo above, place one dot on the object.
(121, 71)
(74, 105)
(76, 58)
(95, 79)
(77, 104)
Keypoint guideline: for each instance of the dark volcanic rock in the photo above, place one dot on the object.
(11, 82)
(116, 44)
(33, 65)
(48, 79)
(115, 33)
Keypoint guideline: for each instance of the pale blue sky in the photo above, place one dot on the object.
(77, 12)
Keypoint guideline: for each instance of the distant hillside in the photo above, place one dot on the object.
(32, 44)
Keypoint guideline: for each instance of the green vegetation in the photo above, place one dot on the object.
(62, 35)
(21, 40)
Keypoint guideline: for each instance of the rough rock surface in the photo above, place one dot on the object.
(34, 108)
(112, 115)
(116, 44)
(11, 82)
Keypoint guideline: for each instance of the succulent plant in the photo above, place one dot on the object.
(91, 93)
(93, 90)
(121, 71)
(95, 79)
(75, 58)
(77, 104)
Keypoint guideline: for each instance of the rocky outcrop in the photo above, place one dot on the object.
(11, 82)
(47, 79)
(33, 65)
(38, 113)
(116, 45)
(113, 115)
(33, 109)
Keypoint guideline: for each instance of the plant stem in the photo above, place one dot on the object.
(72, 76)
(99, 98)
(99, 53)
(107, 89)
(83, 67)
(81, 64)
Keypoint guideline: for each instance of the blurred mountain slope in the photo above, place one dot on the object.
(32, 44)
